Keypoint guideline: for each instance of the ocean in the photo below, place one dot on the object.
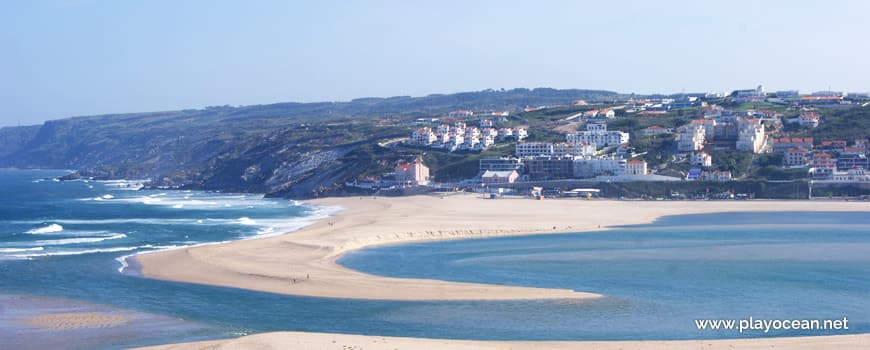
(64, 246)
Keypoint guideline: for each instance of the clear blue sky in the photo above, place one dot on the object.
(78, 57)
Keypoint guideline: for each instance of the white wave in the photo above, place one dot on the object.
(46, 229)
(246, 221)
(64, 241)
(76, 252)
(19, 250)
(107, 196)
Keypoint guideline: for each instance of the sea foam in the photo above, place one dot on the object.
(46, 229)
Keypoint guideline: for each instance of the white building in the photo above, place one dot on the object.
(852, 175)
(599, 138)
(423, 137)
(750, 135)
(701, 159)
(809, 119)
(561, 149)
(499, 177)
(596, 126)
(635, 167)
(691, 138)
(584, 168)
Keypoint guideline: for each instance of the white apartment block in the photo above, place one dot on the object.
(691, 138)
(750, 135)
(584, 168)
(599, 138)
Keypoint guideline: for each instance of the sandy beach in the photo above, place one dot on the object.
(327, 341)
(304, 263)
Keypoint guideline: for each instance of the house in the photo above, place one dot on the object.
(718, 175)
(635, 167)
(414, 173)
(693, 174)
(795, 157)
(606, 113)
(701, 159)
(579, 103)
(423, 137)
(809, 119)
(822, 166)
(784, 144)
(656, 130)
(499, 177)
(500, 163)
(462, 113)
(485, 123)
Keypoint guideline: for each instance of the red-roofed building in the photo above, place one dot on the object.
(784, 144)
(809, 119)
(414, 173)
(636, 167)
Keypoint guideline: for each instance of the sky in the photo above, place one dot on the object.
(66, 58)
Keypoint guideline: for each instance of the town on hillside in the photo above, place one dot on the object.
(747, 136)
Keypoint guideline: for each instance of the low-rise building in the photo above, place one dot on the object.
(809, 119)
(656, 130)
(822, 166)
(784, 144)
(585, 168)
(795, 157)
(859, 175)
(414, 173)
(499, 177)
(701, 159)
(717, 175)
(500, 163)
(599, 138)
(636, 167)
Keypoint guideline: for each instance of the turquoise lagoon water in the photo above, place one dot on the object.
(68, 240)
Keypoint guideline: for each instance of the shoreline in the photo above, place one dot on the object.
(304, 262)
(280, 264)
(308, 340)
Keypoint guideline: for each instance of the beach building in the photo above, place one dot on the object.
(635, 167)
(499, 177)
(500, 164)
(795, 157)
(822, 166)
(414, 173)
(586, 168)
(854, 175)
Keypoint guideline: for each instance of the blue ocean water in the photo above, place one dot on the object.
(68, 239)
